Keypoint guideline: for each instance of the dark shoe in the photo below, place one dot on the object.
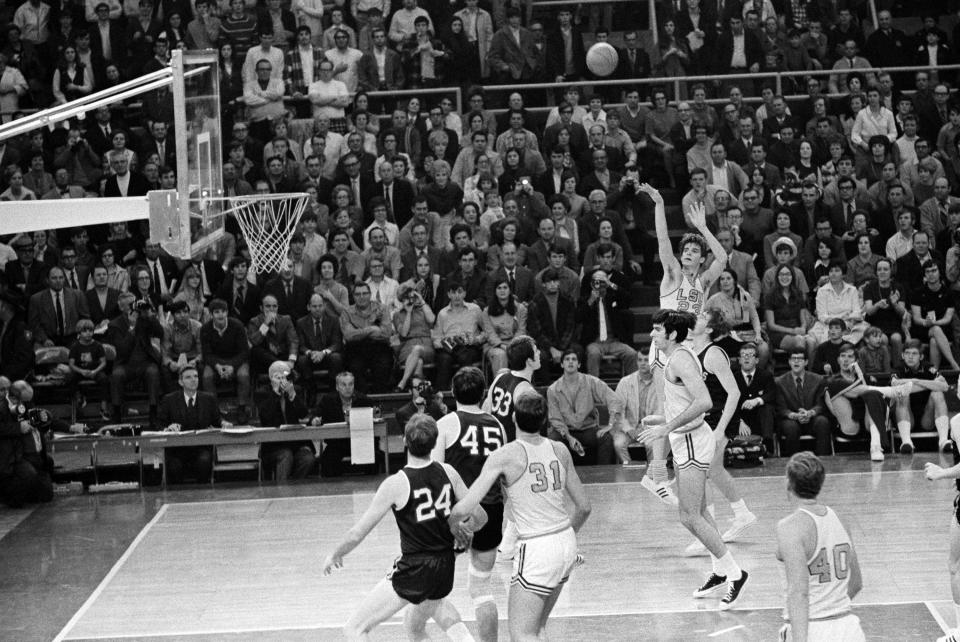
(714, 584)
(734, 589)
(906, 448)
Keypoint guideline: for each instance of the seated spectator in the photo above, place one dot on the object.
(506, 230)
(818, 272)
(855, 404)
(572, 402)
(24, 469)
(503, 319)
(884, 307)
(862, 267)
(799, 407)
(757, 394)
(787, 316)
(773, 240)
(142, 288)
(901, 243)
(422, 400)
(191, 295)
(740, 262)
(569, 280)
(334, 293)
(470, 216)
(932, 309)
(285, 406)
(335, 407)
(458, 335)
(909, 267)
(54, 312)
(924, 406)
(242, 296)
(412, 325)
(605, 238)
(838, 299)
(638, 396)
(603, 314)
(823, 232)
(102, 301)
(367, 329)
(272, 337)
(189, 409)
(321, 342)
(181, 343)
(739, 311)
(136, 335)
(551, 318)
(519, 278)
(470, 277)
(88, 362)
(873, 354)
(225, 355)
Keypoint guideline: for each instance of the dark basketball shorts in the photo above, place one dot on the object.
(488, 537)
(423, 576)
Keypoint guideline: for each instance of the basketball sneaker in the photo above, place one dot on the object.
(662, 491)
(714, 584)
(953, 636)
(876, 453)
(738, 526)
(906, 448)
(734, 589)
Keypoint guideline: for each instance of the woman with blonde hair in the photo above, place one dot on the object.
(191, 291)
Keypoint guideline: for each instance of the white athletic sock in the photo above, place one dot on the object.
(658, 470)
(713, 564)
(904, 428)
(874, 436)
(739, 509)
(943, 428)
(459, 633)
(729, 567)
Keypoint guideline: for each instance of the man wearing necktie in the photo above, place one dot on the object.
(189, 409)
(321, 344)
(604, 307)
(757, 396)
(54, 312)
(76, 277)
(283, 406)
(799, 406)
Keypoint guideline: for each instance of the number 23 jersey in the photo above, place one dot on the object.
(471, 437)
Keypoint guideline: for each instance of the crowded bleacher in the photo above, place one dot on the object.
(437, 231)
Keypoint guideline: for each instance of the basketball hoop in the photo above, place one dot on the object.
(268, 222)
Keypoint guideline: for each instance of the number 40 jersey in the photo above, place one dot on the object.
(471, 437)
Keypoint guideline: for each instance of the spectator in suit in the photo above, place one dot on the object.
(757, 395)
(54, 312)
(470, 277)
(610, 332)
(16, 348)
(738, 50)
(538, 254)
(740, 262)
(284, 405)
(24, 467)
(75, 275)
(567, 55)
(377, 76)
(512, 56)
(189, 409)
(163, 270)
(102, 300)
(633, 61)
(519, 278)
(123, 182)
(601, 177)
(552, 319)
(242, 296)
(800, 408)
(335, 408)
(321, 342)
(136, 334)
(367, 328)
(420, 239)
(272, 337)
(226, 355)
(26, 273)
(158, 143)
(292, 292)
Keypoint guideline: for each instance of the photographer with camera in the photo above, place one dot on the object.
(24, 464)
(137, 337)
(283, 406)
(411, 335)
(604, 315)
(423, 399)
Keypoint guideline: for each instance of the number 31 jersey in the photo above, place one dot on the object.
(472, 437)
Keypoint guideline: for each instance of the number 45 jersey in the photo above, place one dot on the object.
(475, 435)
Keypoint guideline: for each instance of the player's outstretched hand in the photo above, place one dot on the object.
(331, 563)
(698, 215)
(933, 471)
(654, 427)
(652, 192)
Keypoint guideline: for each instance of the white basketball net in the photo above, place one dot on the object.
(268, 223)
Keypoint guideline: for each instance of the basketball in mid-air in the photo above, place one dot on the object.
(602, 59)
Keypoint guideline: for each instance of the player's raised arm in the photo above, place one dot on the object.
(791, 552)
(581, 503)
(669, 262)
(698, 217)
(391, 492)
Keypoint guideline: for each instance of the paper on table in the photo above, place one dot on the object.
(361, 436)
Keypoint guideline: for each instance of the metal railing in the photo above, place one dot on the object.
(419, 93)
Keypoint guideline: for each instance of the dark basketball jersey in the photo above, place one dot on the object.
(480, 434)
(423, 520)
(956, 460)
(718, 394)
(501, 395)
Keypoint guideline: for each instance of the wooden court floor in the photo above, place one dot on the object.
(244, 563)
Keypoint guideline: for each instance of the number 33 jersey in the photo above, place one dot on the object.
(471, 437)
(422, 521)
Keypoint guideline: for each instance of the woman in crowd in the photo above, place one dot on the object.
(119, 142)
(783, 229)
(576, 204)
(431, 287)
(482, 168)
(503, 319)
(512, 171)
(117, 277)
(739, 310)
(884, 307)
(142, 288)
(280, 130)
(858, 226)
(758, 181)
(191, 291)
(506, 231)
(854, 105)
(932, 309)
(605, 236)
(470, 216)
(464, 59)
(71, 78)
(124, 244)
(345, 216)
(565, 224)
(805, 166)
(817, 275)
(787, 315)
(388, 141)
(334, 293)
(862, 268)
(837, 299)
(475, 123)
(359, 122)
(16, 191)
(361, 103)
(674, 57)
(412, 324)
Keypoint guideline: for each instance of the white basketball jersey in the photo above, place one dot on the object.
(537, 496)
(829, 567)
(676, 396)
(687, 297)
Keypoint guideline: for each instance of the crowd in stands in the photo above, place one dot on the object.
(434, 237)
